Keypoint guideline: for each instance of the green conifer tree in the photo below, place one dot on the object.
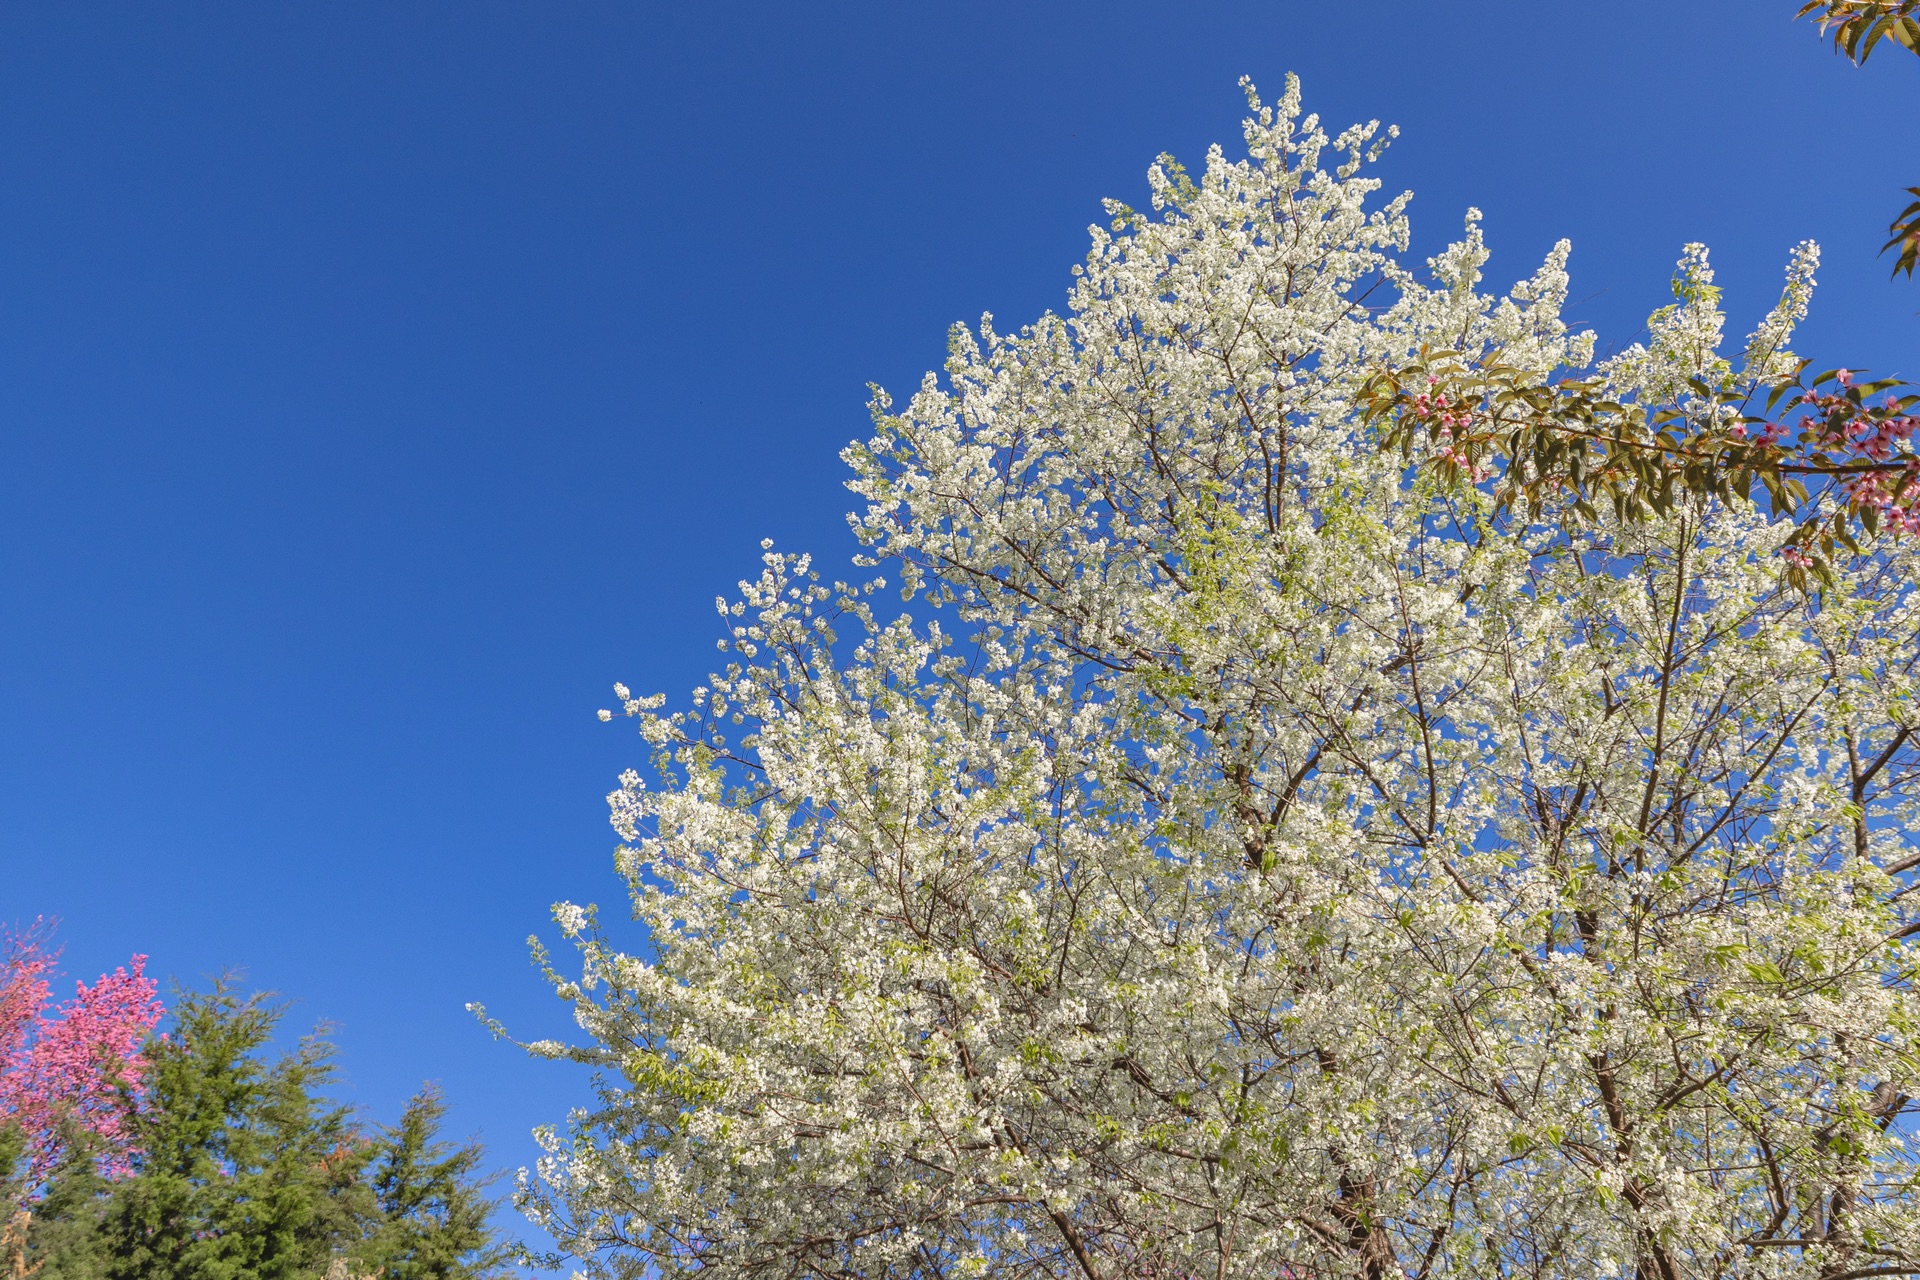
(65, 1227)
(431, 1210)
(246, 1170)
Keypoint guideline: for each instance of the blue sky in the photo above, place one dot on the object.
(381, 382)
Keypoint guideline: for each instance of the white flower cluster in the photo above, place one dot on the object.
(1263, 861)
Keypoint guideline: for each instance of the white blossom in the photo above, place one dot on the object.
(1250, 858)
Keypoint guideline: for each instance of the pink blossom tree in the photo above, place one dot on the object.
(70, 1068)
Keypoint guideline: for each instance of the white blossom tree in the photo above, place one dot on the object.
(1253, 854)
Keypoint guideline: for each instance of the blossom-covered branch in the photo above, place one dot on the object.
(1646, 450)
(70, 1068)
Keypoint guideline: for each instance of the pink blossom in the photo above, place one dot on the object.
(79, 1063)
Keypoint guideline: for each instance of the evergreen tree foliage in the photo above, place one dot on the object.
(65, 1230)
(429, 1203)
(245, 1169)
(245, 1172)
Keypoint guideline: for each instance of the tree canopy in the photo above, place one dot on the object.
(1277, 839)
(67, 1071)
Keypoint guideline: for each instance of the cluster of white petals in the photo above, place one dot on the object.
(1248, 857)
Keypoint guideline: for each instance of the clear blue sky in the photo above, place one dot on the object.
(380, 382)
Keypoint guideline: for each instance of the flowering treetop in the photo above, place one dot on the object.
(76, 1065)
(1269, 852)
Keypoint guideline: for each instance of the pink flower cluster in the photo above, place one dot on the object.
(1432, 405)
(1849, 429)
(1900, 512)
(1844, 424)
(77, 1064)
(1771, 433)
